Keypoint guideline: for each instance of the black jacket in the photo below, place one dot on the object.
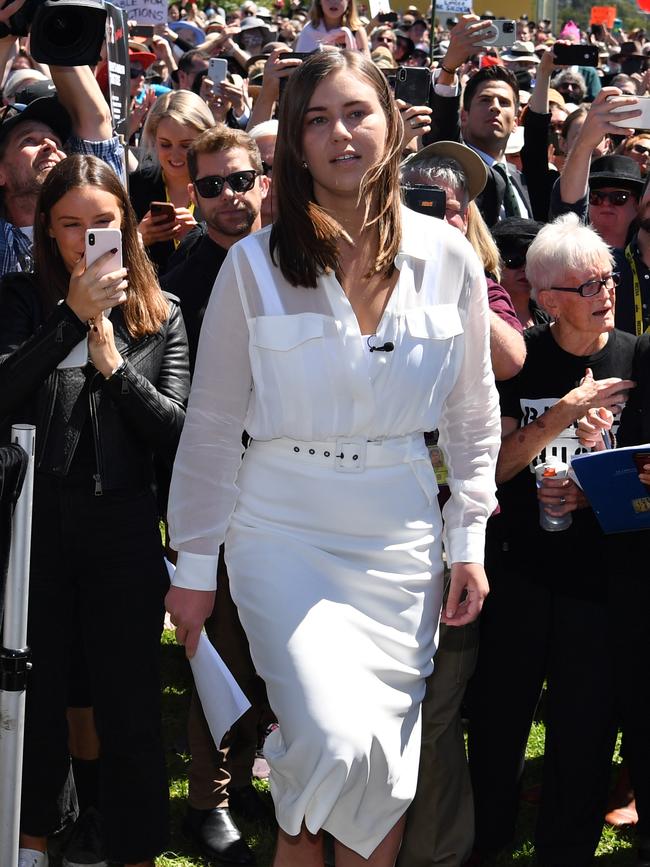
(135, 415)
(446, 127)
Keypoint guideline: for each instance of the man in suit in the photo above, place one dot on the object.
(490, 105)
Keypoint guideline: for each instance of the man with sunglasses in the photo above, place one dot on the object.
(229, 186)
(606, 191)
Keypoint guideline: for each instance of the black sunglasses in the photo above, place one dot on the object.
(617, 198)
(516, 261)
(267, 169)
(212, 186)
(136, 71)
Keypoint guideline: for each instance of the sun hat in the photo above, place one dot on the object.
(470, 162)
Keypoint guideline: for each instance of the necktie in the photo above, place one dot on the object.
(510, 202)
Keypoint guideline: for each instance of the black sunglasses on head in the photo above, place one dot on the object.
(212, 186)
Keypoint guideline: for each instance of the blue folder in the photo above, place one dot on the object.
(610, 481)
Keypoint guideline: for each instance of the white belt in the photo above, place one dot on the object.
(351, 454)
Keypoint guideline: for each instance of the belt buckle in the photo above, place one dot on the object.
(350, 455)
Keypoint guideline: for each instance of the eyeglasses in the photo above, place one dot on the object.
(136, 71)
(617, 198)
(385, 40)
(267, 169)
(640, 149)
(514, 262)
(592, 287)
(212, 186)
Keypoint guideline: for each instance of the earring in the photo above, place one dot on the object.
(304, 164)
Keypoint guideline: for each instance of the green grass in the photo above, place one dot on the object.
(615, 849)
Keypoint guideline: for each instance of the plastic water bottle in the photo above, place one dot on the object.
(552, 469)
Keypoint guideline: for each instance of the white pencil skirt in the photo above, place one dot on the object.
(337, 577)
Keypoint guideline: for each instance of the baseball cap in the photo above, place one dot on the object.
(47, 110)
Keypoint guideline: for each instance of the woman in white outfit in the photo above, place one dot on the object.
(336, 338)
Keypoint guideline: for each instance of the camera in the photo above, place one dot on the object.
(62, 32)
(502, 33)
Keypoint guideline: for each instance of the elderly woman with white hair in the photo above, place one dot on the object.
(546, 617)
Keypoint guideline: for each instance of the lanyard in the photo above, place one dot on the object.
(190, 208)
(638, 309)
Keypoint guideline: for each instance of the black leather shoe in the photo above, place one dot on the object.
(246, 802)
(217, 836)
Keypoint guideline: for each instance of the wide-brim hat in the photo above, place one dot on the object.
(47, 110)
(521, 50)
(251, 23)
(400, 34)
(616, 171)
(470, 162)
(556, 97)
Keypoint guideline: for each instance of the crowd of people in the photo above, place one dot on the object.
(300, 403)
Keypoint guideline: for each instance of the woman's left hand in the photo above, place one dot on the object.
(560, 496)
(101, 346)
(467, 591)
(416, 120)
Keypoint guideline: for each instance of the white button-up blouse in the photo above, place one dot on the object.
(284, 361)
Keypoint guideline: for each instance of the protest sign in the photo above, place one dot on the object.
(603, 15)
(145, 11)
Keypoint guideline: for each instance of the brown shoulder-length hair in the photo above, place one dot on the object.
(305, 238)
(146, 308)
(349, 19)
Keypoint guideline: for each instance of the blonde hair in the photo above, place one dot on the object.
(482, 241)
(182, 106)
(350, 17)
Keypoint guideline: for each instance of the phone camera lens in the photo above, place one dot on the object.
(508, 27)
(91, 240)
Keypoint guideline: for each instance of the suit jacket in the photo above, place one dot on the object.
(446, 127)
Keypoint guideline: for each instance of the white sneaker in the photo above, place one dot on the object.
(32, 858)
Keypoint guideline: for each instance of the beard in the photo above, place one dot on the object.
(231, 227)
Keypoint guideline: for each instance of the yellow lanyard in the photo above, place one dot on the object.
(190, 208)
(636, 284)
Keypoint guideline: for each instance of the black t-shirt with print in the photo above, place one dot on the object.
(547, 375)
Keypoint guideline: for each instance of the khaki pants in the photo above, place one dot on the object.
(213, 770)
(440, 821)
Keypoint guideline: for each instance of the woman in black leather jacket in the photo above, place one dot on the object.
(97, 569)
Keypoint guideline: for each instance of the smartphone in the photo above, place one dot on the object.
(145, 30)
(575, 55)
(501, 34)
(643, 121)
(385, 17)
(100, 241)
(297, 55)
(166, 208)
(431, 201)
(632, 65)
(412, 84)
(217, 70)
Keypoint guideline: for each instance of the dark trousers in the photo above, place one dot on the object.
(213, 769)
(531, 631)
(97, 571)
(629, 633)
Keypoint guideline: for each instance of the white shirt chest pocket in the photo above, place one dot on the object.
(435, 322)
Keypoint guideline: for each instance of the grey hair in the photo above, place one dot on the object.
(261, 130)
(436, 169)
(566, 245)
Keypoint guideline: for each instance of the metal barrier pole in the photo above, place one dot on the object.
(15, 658)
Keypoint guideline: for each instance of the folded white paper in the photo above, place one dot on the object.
(222, 700)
